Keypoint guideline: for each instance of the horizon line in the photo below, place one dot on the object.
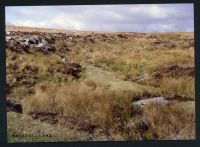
(57, 29)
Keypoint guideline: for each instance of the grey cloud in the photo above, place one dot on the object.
(130, 18)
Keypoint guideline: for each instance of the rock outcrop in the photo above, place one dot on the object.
(155, 100)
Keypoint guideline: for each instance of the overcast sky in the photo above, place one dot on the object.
(119, 18)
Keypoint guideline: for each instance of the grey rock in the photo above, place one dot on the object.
(20, 39)
(23, 42)
(44, 41)
(8, 38)
(44, 47)
(142, 78)
(27, 42)
(155, 100)
(48, 38)
(70, 38)
(33, 41)
(8, 33)
(41, 45)
(64, 60)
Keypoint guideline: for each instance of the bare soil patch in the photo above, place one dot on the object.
(175, 71)
(53, 118)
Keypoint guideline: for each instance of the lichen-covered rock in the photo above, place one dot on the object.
(155, 100)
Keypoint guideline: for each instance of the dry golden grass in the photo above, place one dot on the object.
(161, 123)
(113, 110)
(134, 57)
(22, 124)
(170, 120)
(20, 92)
(76, 99)
(184, 87)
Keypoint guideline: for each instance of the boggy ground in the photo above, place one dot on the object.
(90, 95)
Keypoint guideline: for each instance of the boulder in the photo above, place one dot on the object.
(155, 100)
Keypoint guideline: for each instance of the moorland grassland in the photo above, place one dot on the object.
(92, 95)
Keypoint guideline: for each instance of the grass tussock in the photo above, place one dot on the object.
(172, 120)
(161, 123)
(180, 87)
(111, 110)
(184, 87)
(82, 101)
(20, 92)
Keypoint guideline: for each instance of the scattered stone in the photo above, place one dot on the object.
(33, 41)
(70, 38)
(8, 33)
(19, 43)
(141, 78)
(8, 38)
(45, 48)
(41, 45)
(27, 42)
(64, 60)
(45, 41)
